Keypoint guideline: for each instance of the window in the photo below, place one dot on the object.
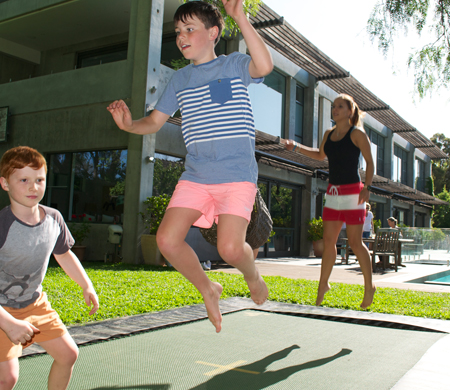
(91, 183)
(171, 56)
(299, 112)
(282, 202)
(332, 122)
(399, 162)
(268, 103)
(378, 152)
(401, 216)
(419, 220)
(166, 173)
(320, 201)
(420, 175)
(378, 211)
(102, 56)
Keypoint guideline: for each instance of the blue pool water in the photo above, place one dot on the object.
(443, 279)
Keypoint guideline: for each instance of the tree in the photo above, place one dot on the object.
(166, 174)
(431, 63)
(441, 217)
(440, 168)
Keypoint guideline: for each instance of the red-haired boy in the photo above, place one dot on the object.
(29, 234)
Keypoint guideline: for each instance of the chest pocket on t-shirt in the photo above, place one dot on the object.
(220, 90)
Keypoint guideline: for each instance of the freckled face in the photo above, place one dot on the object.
(340, 110)
(26, 186)
(195, 41)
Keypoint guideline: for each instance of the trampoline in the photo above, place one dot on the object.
(256, 349)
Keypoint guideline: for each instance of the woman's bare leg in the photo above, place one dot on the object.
(354, 234)
(331, 230)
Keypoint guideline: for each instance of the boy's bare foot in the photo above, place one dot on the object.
(212, 306)
(321, 293)
(258, 289)
(368, 297)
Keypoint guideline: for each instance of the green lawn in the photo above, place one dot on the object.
(126, 290)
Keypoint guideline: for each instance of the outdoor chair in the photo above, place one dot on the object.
(385, 245)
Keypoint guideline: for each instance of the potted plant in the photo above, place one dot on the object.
(155, 208)
(315, 234)
(79, 232)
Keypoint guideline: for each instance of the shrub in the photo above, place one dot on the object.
(155, 208)
(315, 229)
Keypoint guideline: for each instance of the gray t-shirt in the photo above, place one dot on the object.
(218, 126)
(25, 252)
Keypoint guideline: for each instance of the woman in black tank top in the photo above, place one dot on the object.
(346, 195)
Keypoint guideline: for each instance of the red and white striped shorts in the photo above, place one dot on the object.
(342, 204)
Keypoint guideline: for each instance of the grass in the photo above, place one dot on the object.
(126, 290)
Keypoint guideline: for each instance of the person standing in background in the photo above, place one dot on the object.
(368, 223)
(346, 194)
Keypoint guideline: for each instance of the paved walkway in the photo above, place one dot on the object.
(309, 268)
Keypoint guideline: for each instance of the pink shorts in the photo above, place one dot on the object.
(342, 204)
(213, 200)
(42, 316)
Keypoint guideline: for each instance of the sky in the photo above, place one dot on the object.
(338, 29)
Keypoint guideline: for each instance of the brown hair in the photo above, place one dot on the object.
(357, 115)
(207, 13)
(21, 157)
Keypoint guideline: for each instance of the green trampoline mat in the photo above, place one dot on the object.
(255, 350)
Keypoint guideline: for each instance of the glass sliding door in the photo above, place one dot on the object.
(283, 203)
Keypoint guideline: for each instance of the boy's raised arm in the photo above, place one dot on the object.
(72, 267)
(261, 64)
(146, 125)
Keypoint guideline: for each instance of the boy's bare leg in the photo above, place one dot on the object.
(64, 351)
(9, 374)
(235, 251)
(171, 242)
(330, 234)
(354, 233)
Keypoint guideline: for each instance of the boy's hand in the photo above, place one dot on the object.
(20, 332)
(91, 299)
(234, 8)
(121, 114)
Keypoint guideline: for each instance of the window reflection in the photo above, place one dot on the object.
(167, 172)
(282, 206)
(268, 102)
(420, 175)
(91, 183)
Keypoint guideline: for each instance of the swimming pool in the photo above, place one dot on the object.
(442, 278)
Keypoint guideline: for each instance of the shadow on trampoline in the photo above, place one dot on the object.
(256, 377)
(143, 387)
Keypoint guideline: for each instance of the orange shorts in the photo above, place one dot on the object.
(213, 200)
(42, 316)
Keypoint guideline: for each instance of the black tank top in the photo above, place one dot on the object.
(343, 159)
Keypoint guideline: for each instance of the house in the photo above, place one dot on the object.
(63, 61)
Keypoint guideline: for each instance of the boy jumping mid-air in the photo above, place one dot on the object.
(220, 180)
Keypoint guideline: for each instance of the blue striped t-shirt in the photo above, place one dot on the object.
(217, 119)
